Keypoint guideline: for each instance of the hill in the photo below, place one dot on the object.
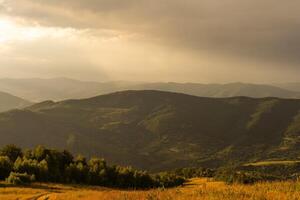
(37, 90)
(222, 90)
(58, 89)
(8, 102)
(289, 86)
(161, 130)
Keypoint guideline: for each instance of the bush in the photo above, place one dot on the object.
(167, 180)
(20, 179)
(194, 172)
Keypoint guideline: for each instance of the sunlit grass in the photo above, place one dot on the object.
(203, 189)
(279, 162)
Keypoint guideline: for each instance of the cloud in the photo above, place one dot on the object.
(266, 30)
(254, 31)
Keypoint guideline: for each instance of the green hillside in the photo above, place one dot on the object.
(161, 130)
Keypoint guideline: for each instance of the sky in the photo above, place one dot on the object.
(206, 41)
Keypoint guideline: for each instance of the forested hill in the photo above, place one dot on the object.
(161, 130)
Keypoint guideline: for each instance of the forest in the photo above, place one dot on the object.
(46, 165)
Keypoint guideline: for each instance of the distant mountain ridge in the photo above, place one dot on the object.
(157, 130)
(8, 102)
(223, 90)
(63, 88)
(37, 90)
(289, 86)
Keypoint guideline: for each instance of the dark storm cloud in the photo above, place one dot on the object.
(266, 30)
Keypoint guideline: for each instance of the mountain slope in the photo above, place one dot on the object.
(160, 130)
(62, 88)
(222, 90)
(289, 86)
(56, 89)
(8, 102)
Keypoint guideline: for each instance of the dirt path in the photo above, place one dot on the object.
(44, 196)
(48, 195)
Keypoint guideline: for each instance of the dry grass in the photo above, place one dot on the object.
(196, 189)
(279, 162)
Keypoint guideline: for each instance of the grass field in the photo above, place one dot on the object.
(279, 162)
(195, 189)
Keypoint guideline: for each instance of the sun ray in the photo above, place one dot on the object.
(11, 31)
(6, 29)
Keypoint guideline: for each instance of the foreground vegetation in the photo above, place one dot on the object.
(259, 172)
(48, 165)
(43, 173)
(202, 189)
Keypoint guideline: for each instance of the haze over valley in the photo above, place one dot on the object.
(57, 89)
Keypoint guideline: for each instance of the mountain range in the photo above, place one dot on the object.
(58, 89)
(222, 90)
(158, 130)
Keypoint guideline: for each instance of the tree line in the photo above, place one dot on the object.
(42, 164)
(249, 174)
(194, 172)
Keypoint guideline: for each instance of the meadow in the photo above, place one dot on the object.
(204, 189)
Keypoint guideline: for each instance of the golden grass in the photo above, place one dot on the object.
(275, 162)
(202, 189)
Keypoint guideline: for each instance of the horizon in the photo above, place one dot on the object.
(149, 82)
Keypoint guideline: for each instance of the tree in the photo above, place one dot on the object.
(31, 166)
(40, 153)
(5, 167)
(12, 152)
(97, 171)
(50, 165)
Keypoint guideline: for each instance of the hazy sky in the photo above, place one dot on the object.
(151, 40)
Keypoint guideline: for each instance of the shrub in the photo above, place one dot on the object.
(194, 172)
(167, 180)
(20, 179)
